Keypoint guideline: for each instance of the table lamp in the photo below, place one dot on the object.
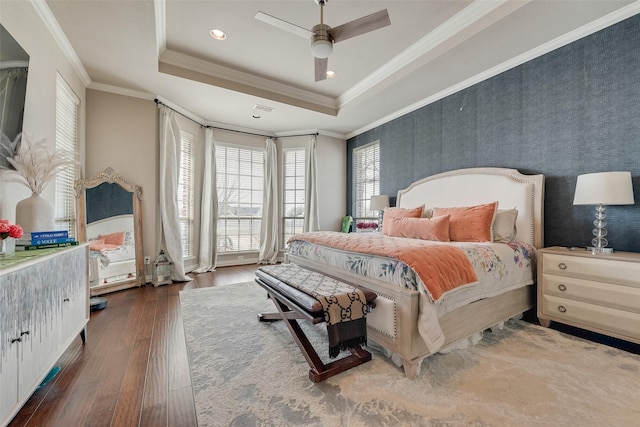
(601, 189)
(378, 203)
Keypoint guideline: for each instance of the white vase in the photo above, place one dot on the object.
(35, 213)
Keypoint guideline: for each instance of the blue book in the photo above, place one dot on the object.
(42, 235)
(52, 240)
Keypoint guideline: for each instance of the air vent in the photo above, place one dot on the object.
(264, 108)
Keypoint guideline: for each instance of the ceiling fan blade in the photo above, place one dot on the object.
(360, 26)
(283, 25)
(321, 65)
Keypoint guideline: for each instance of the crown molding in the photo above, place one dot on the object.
(579, 33)
(121, 91)
(185, 66)
(61, 40)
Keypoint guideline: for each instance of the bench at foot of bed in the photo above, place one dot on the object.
(292, 305)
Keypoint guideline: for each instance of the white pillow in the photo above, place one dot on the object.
(504, 225)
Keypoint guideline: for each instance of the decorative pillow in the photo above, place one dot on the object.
(400, 213)
(102, 247)
(504, 225)
(419, 228)
(95, 243)
(116, 238)
(470, 223)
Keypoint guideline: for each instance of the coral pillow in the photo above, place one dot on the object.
(113, 238)
(400, 213)
(470, 223)
(95, 243)
(419, 228)
(102, 247)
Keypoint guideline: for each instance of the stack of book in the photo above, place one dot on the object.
(44, 240)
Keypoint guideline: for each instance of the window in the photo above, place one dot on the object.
(294, 192)
(185, 193)
(366, 179)
(240, 184)
(67, 110)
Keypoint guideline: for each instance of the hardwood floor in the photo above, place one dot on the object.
(134, 369)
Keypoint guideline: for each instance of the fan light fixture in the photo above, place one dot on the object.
(321, 48)
(321, 44)
(323, 37)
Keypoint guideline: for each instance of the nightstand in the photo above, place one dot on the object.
(600, 293)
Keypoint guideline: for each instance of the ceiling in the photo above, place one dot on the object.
(162, 48)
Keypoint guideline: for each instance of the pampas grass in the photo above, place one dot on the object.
(8, 149)
(35, 165)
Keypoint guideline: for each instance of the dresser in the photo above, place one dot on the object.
(44, 306)
(600, 293)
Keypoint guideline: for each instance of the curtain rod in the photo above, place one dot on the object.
(158, 102)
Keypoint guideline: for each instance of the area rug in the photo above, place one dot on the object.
(246, 373)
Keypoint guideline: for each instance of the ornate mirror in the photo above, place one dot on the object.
(109, 218)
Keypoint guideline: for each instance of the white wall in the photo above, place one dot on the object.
(332, 174)
(122, 134)
(46, 60)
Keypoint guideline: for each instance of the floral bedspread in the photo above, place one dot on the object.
(497, 265)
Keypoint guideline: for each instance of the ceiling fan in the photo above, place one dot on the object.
(323, 36)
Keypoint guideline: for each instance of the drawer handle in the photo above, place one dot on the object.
(562, 309)
(65, 300)
(562, 266)
(14, 340)
(24, 333)
(562, 287)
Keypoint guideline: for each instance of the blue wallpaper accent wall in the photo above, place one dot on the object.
(574, 110)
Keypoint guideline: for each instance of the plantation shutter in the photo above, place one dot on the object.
(240, 184)
(366, 176)
(67, 111)
(186, 193)
(294, 193)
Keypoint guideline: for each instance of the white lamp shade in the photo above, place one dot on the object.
(606, 188)
(321, 48)
(378, 203)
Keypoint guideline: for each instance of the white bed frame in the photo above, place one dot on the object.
(117, 271)
(394, 322)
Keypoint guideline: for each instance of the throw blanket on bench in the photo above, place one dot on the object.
(345, 307)
(441, 267)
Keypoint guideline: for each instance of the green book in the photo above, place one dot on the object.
(47, 246)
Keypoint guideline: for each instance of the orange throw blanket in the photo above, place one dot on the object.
(441, 267)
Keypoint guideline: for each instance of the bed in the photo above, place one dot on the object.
(408, 322)
(112, 250)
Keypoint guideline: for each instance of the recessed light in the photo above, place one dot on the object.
(331, 74)
(218, 34)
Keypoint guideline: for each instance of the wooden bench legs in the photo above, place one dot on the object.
(290, 312)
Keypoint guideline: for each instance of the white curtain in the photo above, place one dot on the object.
(209, 209)
(269, 236)
(311, 216)
(169, 146)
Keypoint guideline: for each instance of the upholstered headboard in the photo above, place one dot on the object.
(474, 186)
